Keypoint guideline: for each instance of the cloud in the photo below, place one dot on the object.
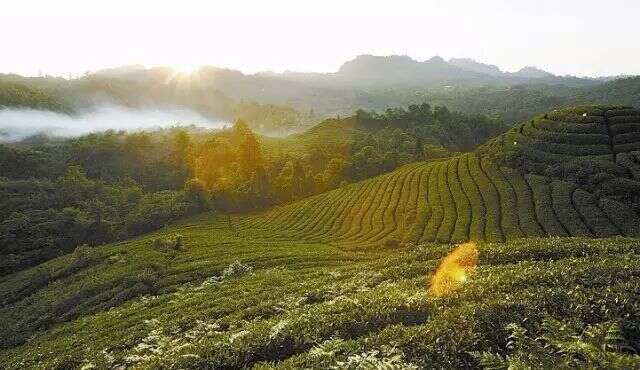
(16, 124)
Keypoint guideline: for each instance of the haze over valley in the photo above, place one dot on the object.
(278, 104)
(18, 124)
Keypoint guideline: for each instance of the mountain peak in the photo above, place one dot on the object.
(474, 66)
(373, 66)
(533, 72)
(436, 59)
(395, 69)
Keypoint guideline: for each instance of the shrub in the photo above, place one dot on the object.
(563, 346)
(621, 111)
(389, 358)
(81, 254)
(463, 208)
(173, 243)
(423, 208)
(631, 162)
(619, 186)
(40, 277)
(196, 196)
(154, 211)
(567, 127)
(530, 156)
(572, 150)
(630, 147)
(82, 257)
(236, 269)
(630, 126)
(561, 192)
(476, 226)
(544, 205)
(585, 113)
(508, 208)
(391, 243)
(564, 138)
(437, 211)
(315, 296)
(626, 138)
(491, 200)
(619, 120)
(593, 216)
(585, 173)
(149, 277)
(431, 151)
(449, 215)
(525, 206)
(621, 215)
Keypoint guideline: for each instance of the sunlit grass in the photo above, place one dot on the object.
(300, 305)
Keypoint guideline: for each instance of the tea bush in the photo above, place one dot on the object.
(173, 243)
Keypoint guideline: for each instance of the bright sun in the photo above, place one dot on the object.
(184, 69)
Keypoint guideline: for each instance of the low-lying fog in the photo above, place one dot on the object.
(17, 124)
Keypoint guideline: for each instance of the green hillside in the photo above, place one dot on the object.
(16, 95)
(293, 303)
(455, 200)
(528, 182)
(339, 280)
(592, 133)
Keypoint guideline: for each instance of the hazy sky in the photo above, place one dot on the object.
(562, 36)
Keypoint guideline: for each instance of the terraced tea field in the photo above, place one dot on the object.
(339, 280)
(455, 200)
(581, 133)
(470, 197)
(230, 301)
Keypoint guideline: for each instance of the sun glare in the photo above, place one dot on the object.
(184, 69)
(454, 269)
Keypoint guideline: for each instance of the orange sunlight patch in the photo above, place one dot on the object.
(454, 268)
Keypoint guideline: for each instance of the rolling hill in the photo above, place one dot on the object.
(339, 279)
(22, 96)
(476, 196)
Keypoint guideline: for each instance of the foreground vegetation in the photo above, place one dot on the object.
(217, 299)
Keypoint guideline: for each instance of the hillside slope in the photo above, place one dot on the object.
(572, 172)
(229, 300)
(19, 96)
(322, 282)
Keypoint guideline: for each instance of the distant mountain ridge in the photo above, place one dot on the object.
(366, 82)
(529, 72)
(396, 68)
(533, 72)
(371, 71)
(471, 65)
(401, 69)
(366, 66)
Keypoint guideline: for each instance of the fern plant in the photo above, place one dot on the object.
(563, 346)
